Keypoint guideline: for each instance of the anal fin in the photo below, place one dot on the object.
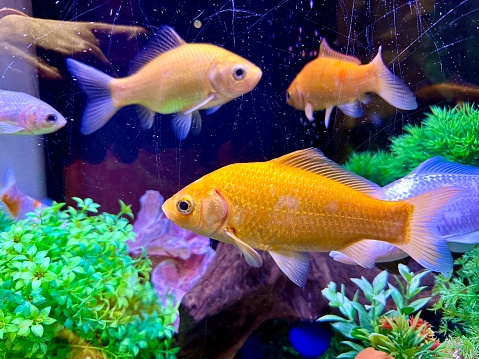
(294, 264)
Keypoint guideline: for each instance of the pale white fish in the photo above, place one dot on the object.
(459, 221)
(23, 114)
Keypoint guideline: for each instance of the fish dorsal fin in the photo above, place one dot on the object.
(165, 39)
(326, 51)
(313, 160)
(440, 166)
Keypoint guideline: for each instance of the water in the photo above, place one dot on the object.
(423, 43)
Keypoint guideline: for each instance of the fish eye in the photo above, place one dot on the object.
(184, 206)
(239, 73)
(288, 96)
(51, 118)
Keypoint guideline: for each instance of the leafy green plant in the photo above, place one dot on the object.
(451, 133)
(69, 289)
(5, 221)
(458, 302)
(364, 325)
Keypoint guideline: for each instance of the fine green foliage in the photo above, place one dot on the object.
(451, 133)
(364, 326)
(69, 289)
(5, 221)
(459, 298)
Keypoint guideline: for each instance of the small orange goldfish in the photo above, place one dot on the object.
(335, 79)
(172, 77)
(303, 202)
(16, 203)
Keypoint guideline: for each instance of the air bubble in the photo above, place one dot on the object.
(197, 24)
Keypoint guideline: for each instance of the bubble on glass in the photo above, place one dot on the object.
(197, 24)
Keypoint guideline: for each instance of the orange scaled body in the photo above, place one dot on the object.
(303, 202)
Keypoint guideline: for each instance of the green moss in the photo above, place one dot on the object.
(451, 133)
(69, 289)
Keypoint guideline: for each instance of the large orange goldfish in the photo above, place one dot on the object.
(303, 202)
(335, 79)
(172, 77)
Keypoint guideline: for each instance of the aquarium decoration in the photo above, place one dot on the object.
(451, 133)
(398, 332)
(459, 296)
(179, 257)
(68, 287)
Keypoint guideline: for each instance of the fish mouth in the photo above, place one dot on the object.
(164, 207)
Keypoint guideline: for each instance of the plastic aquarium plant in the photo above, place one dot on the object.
(459, 304)
(68, 289)
(451, 133)
(396, 332)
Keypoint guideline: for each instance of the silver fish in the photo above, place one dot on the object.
(23, 114)
(459, 222)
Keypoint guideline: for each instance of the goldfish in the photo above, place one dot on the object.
(16, 203)
(335, 79)
(303, 202)
(170, 76)
(459, 222)
(23, 114)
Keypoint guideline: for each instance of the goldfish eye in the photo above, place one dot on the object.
(288, 96)
(239, 73)
(184, 206)
(51, 118)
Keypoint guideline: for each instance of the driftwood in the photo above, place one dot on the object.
(232, 300)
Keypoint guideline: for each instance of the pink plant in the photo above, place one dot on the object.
(179, 257)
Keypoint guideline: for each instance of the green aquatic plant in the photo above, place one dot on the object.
(5, 221)
(451, 133)
(394, 331)
(459, 304)
(69, 289)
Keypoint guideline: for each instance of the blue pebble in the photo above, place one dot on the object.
(310, 339)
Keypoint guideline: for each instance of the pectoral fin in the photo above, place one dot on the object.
(201, 104)
(294, 264)
(250, 255)
(8, 128)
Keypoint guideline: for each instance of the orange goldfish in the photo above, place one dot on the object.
(303, 202)
(172, 77)
(335, 79)
(16, 203)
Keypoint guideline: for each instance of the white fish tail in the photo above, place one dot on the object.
(391, 88)
(95, 84)
(423, 241)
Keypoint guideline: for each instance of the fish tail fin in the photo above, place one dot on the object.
(7, 180)
(392, 89)
(423, 242)
(95, 84)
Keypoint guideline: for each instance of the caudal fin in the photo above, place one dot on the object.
(95, 84)
(391, 88)
(423, 241)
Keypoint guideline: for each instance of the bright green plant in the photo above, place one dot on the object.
(459, 304)
(5, 221)
(69, 289)
(364, 325)
(451, 133)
